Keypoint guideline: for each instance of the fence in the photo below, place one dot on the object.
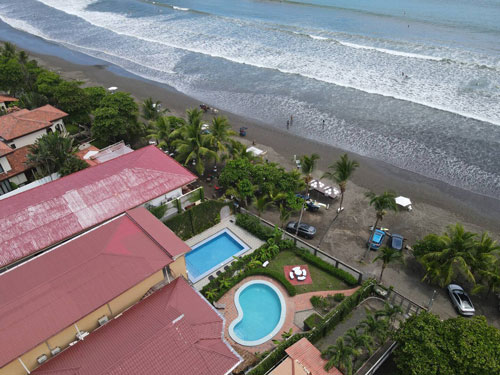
(337, 263)
(377, 359)
(408, 306)
(185, 200)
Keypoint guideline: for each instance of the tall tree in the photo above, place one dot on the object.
(163, 128)
(340, 355)
(193, 146)
(388, 255)
(340, 172)
(454, 258)
(377, 328)
(151, 109)
(381, 203)
(54, 152)
(360, 340)
(389, 312)
(307, 166)
(220, 133)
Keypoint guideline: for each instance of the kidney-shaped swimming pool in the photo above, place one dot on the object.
(261, 313)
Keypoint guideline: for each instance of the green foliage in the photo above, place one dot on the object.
(325, 266)
(46, 84)
(196, 220)
(69, 97)
(253, 225)
(456, 346)
(71, 165)
(312, 321)
(460, 255)
(13, 185)
(72, 128)
(95, 94)
(157, 211)
(116, 119)
(338, 297)
(50, 153)
(11, 76)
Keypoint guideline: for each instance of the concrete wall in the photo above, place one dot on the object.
(178, 267)
(166, 197)
(186, 200)
(88, 323)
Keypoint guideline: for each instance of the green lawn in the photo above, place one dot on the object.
(321, 279)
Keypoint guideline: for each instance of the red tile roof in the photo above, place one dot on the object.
(174, 331)
(4, 99)
(19, 123)
(36, 219)
(307, 355)
(17, 160)
(52, 291)
(4, 149)
(81, 155)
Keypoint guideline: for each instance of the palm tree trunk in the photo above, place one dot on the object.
(370, 239)
(302, 210)
(382, 272)
(328, 229)
(341, 201)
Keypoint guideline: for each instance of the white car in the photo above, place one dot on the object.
(461, 300)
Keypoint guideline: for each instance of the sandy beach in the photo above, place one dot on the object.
(436, 204)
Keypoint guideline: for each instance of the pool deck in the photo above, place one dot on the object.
(229, 223)
(294, 304)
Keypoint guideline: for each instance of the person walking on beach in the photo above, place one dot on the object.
(287, 124)
(291, 120)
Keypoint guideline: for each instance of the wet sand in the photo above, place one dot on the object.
(449, 204)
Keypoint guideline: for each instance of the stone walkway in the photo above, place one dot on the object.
(293, 304)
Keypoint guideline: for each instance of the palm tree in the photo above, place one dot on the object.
(244, 192)
(454, 258)
(389, 311)
(262, 203)
(193, 146)
(377, 328)
(308, 165)
(360, 340)
(484, 253)
(388, 255)
(237, 150)
(151, 109)
(342, 171)
(381, 203)
(220, 133)
(340, 355)
(8, 50)
(162, 130)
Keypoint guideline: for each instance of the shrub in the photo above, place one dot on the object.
(253, 225)
(312, 321)
(157, 211)
(325, 266)
(338, 297)
(196, 220)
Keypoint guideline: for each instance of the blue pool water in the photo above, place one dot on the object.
(211, 253)
(261, 308)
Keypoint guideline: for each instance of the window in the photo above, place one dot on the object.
(5, 187)
(1, 169)
(49, 130)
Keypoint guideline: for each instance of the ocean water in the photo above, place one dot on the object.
(415, 83)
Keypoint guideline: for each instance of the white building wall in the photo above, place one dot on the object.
(19, 179)
(5, 164)
(166, 197)
(3, 107)
(30, 139)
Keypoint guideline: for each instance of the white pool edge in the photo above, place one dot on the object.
(276, 329)
(227, 260)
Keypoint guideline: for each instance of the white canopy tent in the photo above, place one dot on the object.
(404, 202)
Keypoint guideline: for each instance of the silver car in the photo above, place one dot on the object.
(461, 300)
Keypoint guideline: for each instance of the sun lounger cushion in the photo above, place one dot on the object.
(295, 269)
(265, 263)
(304, 273)
(301, 278)
(291, 275)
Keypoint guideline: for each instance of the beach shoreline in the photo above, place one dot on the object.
(378, 176)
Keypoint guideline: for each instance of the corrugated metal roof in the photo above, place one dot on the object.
(52, 291)
(36, 219)
(160, 335)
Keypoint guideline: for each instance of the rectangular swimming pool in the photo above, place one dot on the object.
(212, 253)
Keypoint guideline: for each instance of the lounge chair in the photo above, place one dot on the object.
(291, 275)
(304, 273)
(265, 264)
(301, 278)
(211, 278)
(219, 306)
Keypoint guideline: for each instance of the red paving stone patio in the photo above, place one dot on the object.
(293, 304)
(288, 269)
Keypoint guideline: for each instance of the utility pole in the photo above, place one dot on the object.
(431, 301)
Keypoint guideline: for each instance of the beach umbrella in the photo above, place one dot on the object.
(404, 202)
(112, 88)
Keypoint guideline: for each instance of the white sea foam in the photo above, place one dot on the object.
(344, 63)
(179, 8)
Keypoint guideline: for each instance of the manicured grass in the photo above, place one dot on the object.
(321, 279)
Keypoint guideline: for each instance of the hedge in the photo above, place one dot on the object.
(196, 219)
(253, 225)
(325, 266)
(312, 321)
(330, 321)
